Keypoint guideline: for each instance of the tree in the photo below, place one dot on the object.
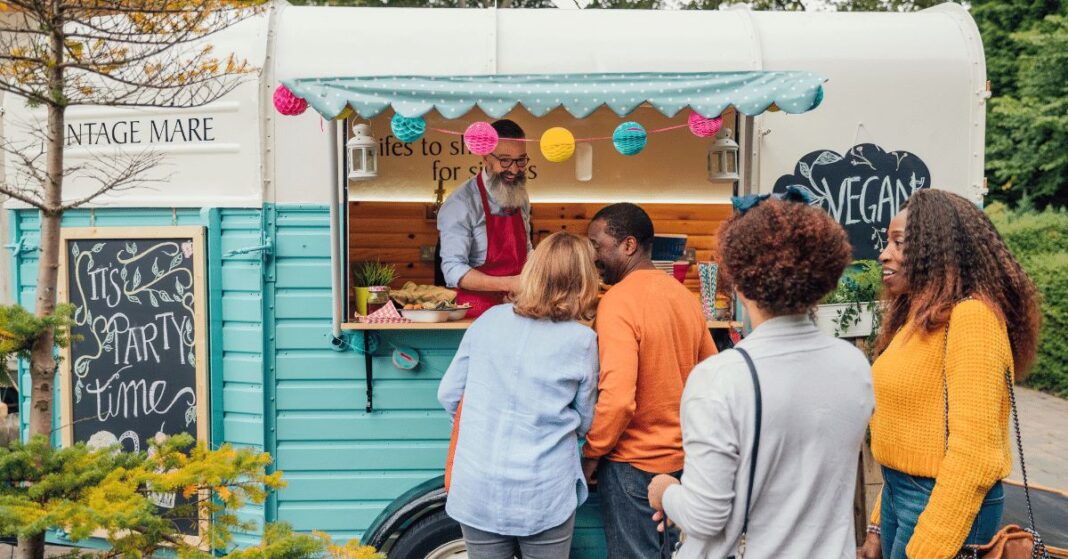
(1026, 146)
(126, 53)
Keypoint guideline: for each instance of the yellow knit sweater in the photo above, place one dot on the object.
(908, 426)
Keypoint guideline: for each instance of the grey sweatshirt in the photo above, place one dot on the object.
(817, 400)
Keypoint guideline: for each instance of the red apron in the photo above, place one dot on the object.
(506, 252)
(506, 237)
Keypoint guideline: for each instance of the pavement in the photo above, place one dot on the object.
(1044, 423)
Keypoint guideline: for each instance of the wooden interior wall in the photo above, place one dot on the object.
(394, 231)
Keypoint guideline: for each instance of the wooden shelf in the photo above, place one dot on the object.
(464, 324)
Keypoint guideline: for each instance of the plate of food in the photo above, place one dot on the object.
(434, 312)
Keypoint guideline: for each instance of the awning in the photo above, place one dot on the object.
(707, 93)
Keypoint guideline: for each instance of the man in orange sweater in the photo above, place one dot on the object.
(651, 334)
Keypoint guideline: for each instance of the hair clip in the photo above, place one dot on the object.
(793, 193)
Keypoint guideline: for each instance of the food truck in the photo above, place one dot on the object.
(247, 248)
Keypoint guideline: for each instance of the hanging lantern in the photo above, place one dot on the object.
(557, 144)
(723, 157)
(363, 158)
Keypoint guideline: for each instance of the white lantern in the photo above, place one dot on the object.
(363, 157)
(723, 157)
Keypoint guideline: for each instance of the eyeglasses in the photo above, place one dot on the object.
(507, 162)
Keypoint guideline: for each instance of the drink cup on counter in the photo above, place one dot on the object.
(680, 269)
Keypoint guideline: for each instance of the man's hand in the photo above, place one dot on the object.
(589, 469)
(657, 487)
(475, 280)
(658, 517)
(872, 548)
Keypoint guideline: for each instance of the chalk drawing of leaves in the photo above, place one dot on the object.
(81, 367)
(133, 248)
(134, 299)
(178, 286)
(74, 250)
(78, 392)
(191, 358)
(806, 171)
(187, 249)
(190, 415)
(176, 261)
(189, 328)
(152, 299)
(164, 296)
(826, 158)
(130, 248)
(98, 247)
(155, 267)
(137, 277)
(110, 338)
(90, 259)
(122, 274)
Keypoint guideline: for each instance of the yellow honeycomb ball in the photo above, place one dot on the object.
(347, 112)
(557, 144)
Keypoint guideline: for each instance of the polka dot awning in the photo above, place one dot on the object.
(708, 93)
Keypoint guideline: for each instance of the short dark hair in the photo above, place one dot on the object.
(624, 220)
(784, 256)
(508, 129)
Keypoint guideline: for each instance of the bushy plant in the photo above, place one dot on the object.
(1040, 241)
(859, 287)
(370, 274)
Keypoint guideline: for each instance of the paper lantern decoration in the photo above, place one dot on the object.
(480, 138)
(408, 129)
(819, 98)
(629, 138)
(287, 103)
(345, 113)
(704, 127)
(557, 144)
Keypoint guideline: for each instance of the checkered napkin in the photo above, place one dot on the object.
(386, 315)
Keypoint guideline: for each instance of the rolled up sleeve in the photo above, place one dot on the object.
(456, 231)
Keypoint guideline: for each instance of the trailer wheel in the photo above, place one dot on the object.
(434, 537)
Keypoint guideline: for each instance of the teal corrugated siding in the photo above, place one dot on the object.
(240, 376)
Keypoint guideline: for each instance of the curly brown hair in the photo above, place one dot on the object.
(783, 256)
(951, 252)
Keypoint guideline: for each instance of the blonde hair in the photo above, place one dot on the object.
(559, 281)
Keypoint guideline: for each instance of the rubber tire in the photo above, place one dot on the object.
(426, 535)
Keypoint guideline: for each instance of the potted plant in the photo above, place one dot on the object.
(368, 275)
(853, 309)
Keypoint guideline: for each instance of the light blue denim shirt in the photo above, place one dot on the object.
(529, 388)
(462, 230)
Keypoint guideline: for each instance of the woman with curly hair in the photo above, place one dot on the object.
(962, 314)
(793, 494)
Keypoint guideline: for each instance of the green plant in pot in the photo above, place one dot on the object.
(855, 299)
(367, 275)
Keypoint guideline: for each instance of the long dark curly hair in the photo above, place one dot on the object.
(952, 251)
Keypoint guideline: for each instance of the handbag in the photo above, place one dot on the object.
(667, 548)
(1011, 542)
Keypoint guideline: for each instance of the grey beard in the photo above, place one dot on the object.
(509, 196)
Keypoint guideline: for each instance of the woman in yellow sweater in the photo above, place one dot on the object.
(961, 313)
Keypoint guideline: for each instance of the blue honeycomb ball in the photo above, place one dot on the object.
(629, 138)
(407, 129)
(819, 98)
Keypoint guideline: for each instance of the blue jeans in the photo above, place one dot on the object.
(905, 497)
(629, 530)
(554, 543)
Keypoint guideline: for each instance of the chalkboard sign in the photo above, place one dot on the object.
(137, 366)
(862, 190)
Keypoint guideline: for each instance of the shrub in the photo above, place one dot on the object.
(1040, 241)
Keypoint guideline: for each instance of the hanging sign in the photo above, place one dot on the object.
(862, 190)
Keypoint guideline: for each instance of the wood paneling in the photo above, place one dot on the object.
(393, 232)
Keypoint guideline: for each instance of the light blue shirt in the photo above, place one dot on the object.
(529, 389)
(462, 230)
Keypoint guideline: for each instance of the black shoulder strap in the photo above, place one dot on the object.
(756, 445)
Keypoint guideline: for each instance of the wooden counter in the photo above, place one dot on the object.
(464, 324)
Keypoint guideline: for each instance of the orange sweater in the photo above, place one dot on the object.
(908, 427)
(651, 333)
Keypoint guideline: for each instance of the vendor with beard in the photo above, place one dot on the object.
(485, 225)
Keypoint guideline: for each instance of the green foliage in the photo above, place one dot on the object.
(86, 492)
(19, 329)
(370, 274)
(859, 287)
(1040, 241)
(1026, 44)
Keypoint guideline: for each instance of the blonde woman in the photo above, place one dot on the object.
(527, 373)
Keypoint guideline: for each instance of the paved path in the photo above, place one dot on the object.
(1044, 422)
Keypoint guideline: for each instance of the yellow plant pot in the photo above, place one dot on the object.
(361, 300)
